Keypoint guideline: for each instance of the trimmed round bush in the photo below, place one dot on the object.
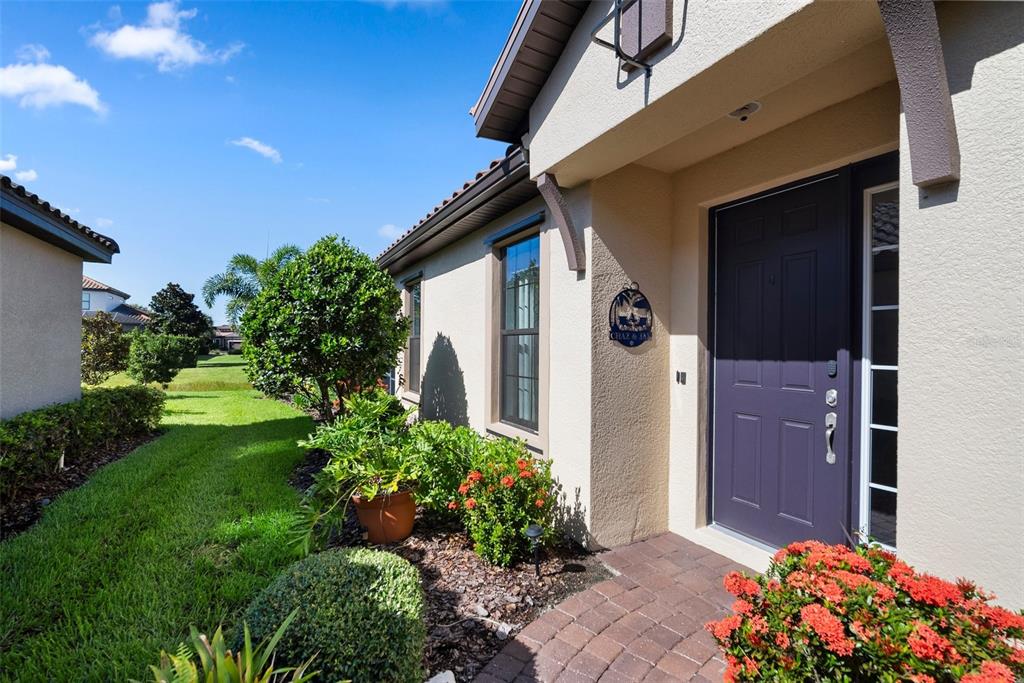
(359, 610)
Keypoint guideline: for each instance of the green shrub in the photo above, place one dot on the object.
(217, 663)
(371, 455)
(159, 357)
(104, 348)
(446, 453)
(359, 610)
(32, 443)
(507, 490)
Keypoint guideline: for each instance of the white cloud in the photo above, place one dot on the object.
(103, 222)
(9, 162)
(258, 147)
(41, 85)
(161, 38)
(26, 176)
(32, 53)
(389, 231)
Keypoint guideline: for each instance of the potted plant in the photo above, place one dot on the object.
(371, 463)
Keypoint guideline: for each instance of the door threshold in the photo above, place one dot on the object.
(735, 546)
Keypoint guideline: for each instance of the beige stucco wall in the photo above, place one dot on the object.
(961, 386)
(40, 323)
(632, 213)
(590, 118)
(457, 331)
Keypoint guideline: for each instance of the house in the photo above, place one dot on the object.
(226, 338)
(98, 297)
(41, 256)
(817, 204)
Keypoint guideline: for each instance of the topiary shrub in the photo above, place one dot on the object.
(359, 610)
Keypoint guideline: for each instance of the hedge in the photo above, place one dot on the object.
(32, 443)
(359, 610)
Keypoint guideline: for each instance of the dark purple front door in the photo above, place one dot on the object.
(780, 343)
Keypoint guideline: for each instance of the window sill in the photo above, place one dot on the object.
(409, 397)
(532, 439)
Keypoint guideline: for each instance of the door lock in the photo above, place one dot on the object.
(830, 432)
(831, 398)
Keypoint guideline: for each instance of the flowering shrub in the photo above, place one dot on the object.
(830, 613)
(507, 490)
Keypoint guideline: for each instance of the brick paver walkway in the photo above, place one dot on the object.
(646, 624)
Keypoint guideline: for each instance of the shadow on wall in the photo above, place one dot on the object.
(571, 520)
(443, 389)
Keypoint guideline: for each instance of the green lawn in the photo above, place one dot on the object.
(185, 530)
(214, 373)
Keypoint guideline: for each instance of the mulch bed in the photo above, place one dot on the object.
(472, 607)
(26, 507)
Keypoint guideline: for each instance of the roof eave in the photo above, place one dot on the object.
(505, 175)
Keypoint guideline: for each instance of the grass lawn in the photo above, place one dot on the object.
(183, 531)
(214, 373)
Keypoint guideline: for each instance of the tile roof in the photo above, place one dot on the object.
(509, 154)
(44, 206)
(125, 314)
(95, 285)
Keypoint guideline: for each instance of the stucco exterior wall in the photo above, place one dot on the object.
(40, 323)
(457, 330)
(960, 508)
(629, 387)
(857, 129)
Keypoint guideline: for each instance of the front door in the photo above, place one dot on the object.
(781, 411)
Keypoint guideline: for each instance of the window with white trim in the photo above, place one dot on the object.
(881, 363)
(520, 333)
(86, 301)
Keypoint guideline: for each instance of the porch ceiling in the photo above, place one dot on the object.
(823, 54)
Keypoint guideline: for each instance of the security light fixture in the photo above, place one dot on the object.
(746, 111)
(534, 532)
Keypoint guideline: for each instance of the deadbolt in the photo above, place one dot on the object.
(831, 398)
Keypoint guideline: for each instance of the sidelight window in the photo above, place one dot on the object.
(520, 332)
(881, 364)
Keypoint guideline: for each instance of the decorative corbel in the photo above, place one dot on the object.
(575, 252)
(916, 45)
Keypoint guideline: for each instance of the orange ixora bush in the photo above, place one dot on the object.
(505, 492)
(826, 612)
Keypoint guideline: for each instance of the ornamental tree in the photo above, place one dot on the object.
(327, 325)
(104, 348)
(174, 313)
(159, 357)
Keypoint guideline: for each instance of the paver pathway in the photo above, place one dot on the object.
(646, 624)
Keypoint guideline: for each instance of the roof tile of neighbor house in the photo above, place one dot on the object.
(97, 286)
(469, 207)
(104, 241)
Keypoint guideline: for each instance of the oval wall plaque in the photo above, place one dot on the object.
(630, 319)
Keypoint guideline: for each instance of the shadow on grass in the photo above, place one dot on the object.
(185, 530)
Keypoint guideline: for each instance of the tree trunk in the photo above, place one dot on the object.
(326, 409)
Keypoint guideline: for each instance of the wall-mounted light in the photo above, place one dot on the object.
(746, 111)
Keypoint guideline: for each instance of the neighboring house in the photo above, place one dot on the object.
(41, 255)
(821, 204)
(98, 297)
(226, 338)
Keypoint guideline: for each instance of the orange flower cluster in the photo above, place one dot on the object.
(832, 612)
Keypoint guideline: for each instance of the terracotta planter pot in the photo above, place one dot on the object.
(387, 519)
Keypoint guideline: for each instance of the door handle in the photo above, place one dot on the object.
(830, 432)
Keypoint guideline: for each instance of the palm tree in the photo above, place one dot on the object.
(244, 278)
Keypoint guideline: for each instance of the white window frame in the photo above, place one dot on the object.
(86, 301)
(867, 366)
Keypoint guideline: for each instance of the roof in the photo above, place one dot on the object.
(125, 314)
(26, 211)
(539, 35)
(493, 192)
(97, 286)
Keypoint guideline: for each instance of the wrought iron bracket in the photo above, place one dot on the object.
(614, 46)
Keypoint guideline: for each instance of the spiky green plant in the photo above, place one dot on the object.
(243, 279)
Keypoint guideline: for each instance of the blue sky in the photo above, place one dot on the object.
(190, 131)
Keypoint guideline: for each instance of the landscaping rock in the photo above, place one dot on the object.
(443, 677)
